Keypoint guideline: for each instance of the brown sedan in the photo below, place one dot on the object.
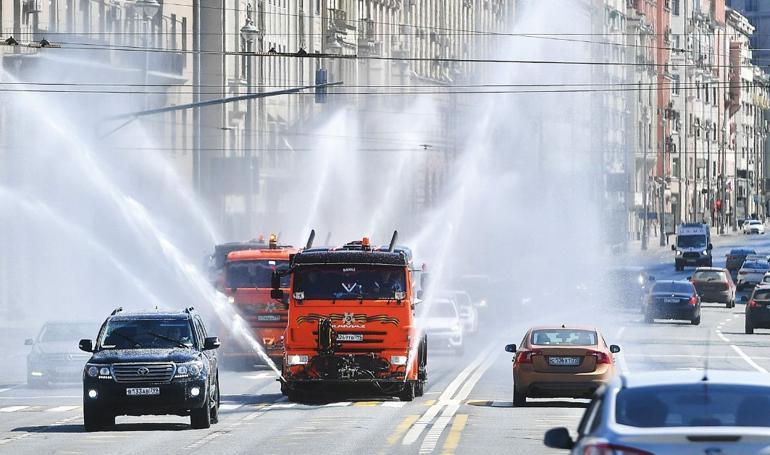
(561, 361)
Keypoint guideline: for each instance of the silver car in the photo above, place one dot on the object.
(751, 273)
(674, 412)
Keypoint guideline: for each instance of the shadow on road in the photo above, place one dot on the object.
(78, 428)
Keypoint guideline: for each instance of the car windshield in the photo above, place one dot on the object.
(461, 298)
(673, 287)
(756, 265)
(753, 222)
(54, 332)
(709, 275)
(147, 334)
(564, 337)
(742, 252)
(350, 282)
(442, 309)
(691, 241)
(253, 274)
(691, 405)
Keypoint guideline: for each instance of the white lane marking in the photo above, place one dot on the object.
(435, 432)
(393, 404)
(264, 375)
(4, 390)
(427, 417)
(205, 440)
(229, 406)
(748, 359)
(13, 408)
(62, 409)
(722, 337)
(280, 406)
(339, 404)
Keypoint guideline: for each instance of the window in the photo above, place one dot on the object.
(564, 337)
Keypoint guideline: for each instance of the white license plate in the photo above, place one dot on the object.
(268, 317)
(350, 337)
(671, 300)
(564, 361)
(141, 391)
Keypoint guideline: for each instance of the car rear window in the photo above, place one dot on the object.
(710, 275)
(563, 337)
(761, 294)
(691, 405)
(675, 287)
(739, 251)
(756, 265)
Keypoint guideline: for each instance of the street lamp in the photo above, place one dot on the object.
(249, 32)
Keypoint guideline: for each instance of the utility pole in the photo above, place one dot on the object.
(645, 232)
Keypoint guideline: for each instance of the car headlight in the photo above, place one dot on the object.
(231, 300)
(705, 252)
(100, 371)
(641, 279)
(296, 359)
(93, 371)
(189, 370)
(678, 252)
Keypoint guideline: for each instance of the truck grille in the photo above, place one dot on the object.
(143, 372)
(691, 255)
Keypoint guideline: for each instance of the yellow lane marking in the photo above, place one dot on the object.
(401, 428)
(367, 403)
(429, 402)
(453, 438)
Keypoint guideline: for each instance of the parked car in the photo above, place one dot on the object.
(560, 362)
(736, 256)
(156, 363)
(672, 300)
(758, 309)
(753, 227)
(751, 273)
(714, 285)
(674, 412)
(54, 357)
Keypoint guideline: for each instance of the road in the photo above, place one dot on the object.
(466, 407)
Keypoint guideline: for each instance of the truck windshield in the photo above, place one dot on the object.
(346, 282)
(691, 241)
(253, 274)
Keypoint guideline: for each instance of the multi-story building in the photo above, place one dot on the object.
(758, 14)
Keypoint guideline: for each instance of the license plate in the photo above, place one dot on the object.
(671, 300)
(564, 361)
(140, 391)
(268, 317)
(350, 337)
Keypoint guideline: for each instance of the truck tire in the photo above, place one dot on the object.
(419, 389)
(408, 392)
(200, 418)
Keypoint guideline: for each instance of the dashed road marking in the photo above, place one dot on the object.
(393, 404)
(339, 404)
(722, 336)
(13, 408)
(453, 438)
(230, 406)
(62, 408)
(748, 359)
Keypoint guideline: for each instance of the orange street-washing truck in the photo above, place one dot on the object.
(351, 321)
(247, 283)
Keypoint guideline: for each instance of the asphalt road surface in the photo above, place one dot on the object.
(466, 407)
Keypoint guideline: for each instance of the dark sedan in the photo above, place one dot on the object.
(672, 300)
(736, 257)
(758, 310)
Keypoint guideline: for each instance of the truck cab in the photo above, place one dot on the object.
(693, 246)
(351, 321)
(248, 284)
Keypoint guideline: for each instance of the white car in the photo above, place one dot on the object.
(442, 324)
(753, 227)
(751, 273)
(469, 314)
(765, 280)
(674, 412)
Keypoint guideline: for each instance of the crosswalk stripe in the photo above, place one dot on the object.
(13, 408)
(62, 408)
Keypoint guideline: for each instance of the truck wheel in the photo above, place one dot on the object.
(295, 396)
(408, 392)
(419, 390)
(519, 399)
(200, 418)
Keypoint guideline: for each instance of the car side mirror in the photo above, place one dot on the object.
(744, 299)
(276, 294)
(210, 343)
(29, 342)
(689, 278)
(673, 247)
(510, 348)
(711, 247)
(86, 345)
(558, 438)
(614, 348)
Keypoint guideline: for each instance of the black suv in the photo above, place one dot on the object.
(156, 363)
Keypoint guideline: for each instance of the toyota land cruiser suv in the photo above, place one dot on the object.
(155, 362)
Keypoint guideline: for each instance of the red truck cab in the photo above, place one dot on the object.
(247, 283)
(351, 321)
